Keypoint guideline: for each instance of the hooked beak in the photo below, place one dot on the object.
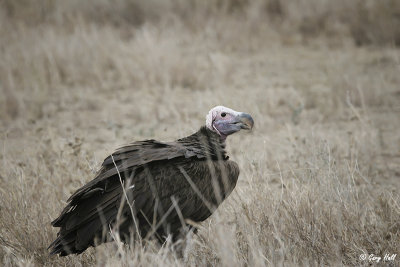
(245, 121)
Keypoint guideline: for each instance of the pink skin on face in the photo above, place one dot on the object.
(226, 121)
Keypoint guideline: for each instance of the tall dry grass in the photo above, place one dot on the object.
(319, 174)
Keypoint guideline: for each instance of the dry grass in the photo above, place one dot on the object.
(319, 174)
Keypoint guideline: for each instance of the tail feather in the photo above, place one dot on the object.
(82, 225)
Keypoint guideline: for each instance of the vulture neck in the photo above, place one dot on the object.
(212, 136)
(210, 143)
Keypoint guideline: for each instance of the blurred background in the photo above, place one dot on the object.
(53, 47)
(319, 173)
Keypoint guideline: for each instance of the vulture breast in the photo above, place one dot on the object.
(150, 189)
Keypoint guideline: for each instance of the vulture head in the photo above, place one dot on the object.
(225, 121)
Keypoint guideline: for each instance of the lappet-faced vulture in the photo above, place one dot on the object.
(153, 189)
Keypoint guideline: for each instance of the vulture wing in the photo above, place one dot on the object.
(164, 183)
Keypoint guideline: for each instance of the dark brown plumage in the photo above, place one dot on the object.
(152, 188)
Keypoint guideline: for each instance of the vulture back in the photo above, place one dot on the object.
(148, 189)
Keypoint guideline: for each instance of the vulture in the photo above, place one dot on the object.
(152, 189)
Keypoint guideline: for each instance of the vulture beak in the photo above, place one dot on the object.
(234, 123)
(245, 121)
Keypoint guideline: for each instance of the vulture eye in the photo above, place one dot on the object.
(223, 114)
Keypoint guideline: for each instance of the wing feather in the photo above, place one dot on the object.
(151, 168)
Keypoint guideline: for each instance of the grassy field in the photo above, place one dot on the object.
(320, 172)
